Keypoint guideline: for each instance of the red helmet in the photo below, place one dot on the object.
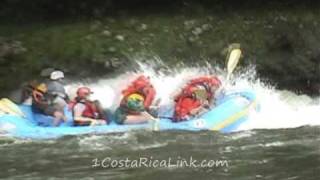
(83, 92)
(215, 81)
(141, 82)
(143, 78)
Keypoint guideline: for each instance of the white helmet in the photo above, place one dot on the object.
(55, 75)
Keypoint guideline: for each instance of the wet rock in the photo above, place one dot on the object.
(113, 63)
(111, 20)
(210, 18)
(97, 12)
(259, 176)
(193, 39)
(120, 37)
(206, 27)
(142, 43)
(88, 37)
(133, 22)
(106, 33)
(268, 26)
(112, 49)
(142, 27)
(301, 26)
(96, 25)
(197, 31)
(315, 23)
(11, 47)
(282, 18)
(189, 24)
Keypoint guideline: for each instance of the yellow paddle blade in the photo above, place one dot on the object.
(5, 110)
(13, 108)
(233, 60)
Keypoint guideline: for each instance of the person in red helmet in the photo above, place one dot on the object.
(85, 111)
(135, 106)
(195, 98)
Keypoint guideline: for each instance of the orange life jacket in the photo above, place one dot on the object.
(184, 106)
(186, 101)
(209, 82)
(143, 87)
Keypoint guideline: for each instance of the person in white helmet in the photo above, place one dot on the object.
(55, 85)
(57, 95)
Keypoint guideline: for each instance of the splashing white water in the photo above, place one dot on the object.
(278, 109)
(283, 109)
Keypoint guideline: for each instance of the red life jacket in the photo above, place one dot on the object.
(184, 106)
(186, 102)
(209, 82)
(143, 87)
(90, 110)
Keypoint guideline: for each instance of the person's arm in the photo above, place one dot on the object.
(196, 111)
(150, 92)
(77, 112)
(102, 114)
(201, 109)
(148, 115)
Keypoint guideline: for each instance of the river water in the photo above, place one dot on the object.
(281, 141)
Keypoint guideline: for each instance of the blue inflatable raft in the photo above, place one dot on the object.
(231, 110)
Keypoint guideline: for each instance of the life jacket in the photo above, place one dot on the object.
(186, 101)
(140, 86)
(90, 110)
(208, 82)
(183, 108)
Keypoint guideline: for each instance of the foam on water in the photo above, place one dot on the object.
(281, 109)
(278, 109)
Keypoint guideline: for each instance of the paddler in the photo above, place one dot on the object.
(135, 105)
(26, 92)
(195, 98)
(56, 90)
(53, 100)
(85, 111)
(41, 103)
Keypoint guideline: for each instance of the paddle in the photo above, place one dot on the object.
(165, 117)
(155, 124)
(233, 59)
(154, 121)
(5, 109)
(232, 62)
(9, 107)
(13, 107)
